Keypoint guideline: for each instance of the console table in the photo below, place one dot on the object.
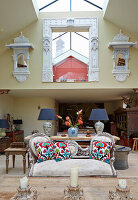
(83, 140)
(4, 143)
(78, 138)
(16, 136)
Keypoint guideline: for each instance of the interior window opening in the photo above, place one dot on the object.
(70, 60)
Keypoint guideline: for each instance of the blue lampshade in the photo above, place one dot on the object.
(4, 123)
(98, 114)
(17, 121)
(47, 114)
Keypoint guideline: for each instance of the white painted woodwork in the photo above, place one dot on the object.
(72, 23)
(20, 47)
(121, 46)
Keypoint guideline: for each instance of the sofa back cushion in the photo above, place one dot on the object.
(44, 151)
(101, 151)
(61, 151)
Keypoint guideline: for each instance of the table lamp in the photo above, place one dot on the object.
(47, 114)
(3, 124)
(99, 114)
(17, 123)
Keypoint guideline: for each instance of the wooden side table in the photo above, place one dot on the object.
(15, 151)
(135, 144)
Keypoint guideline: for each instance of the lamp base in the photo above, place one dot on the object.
(17, 127)
(47, 128)
(99, 127)
(2, 133)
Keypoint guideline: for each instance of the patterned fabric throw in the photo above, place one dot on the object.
(61, 151)
(101, 151)
(44, 151)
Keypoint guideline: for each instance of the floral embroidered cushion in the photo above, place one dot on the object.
(61, 151)
(101, 151)
(110, 145)
(44, 151)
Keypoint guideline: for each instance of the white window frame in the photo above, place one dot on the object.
(67, 24)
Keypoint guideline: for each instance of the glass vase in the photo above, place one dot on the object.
(73, 132)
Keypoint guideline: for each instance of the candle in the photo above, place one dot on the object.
(24, 182)
(122, 183)
(74, 177)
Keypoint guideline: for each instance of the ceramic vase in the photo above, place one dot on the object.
(73, 132)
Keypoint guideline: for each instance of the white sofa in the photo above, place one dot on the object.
(87, 167)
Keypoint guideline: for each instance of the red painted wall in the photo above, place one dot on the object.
(70, 69)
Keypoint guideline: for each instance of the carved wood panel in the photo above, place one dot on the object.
(91, 24)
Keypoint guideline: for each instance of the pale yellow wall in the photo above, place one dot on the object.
(112, 106)
(34, 32)
(26, 108)
(6, 105)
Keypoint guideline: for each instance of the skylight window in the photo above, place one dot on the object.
(69, 5)
(65, 38)
(77, 41)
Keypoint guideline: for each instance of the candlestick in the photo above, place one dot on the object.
(73, 193)
(28, 193)
(24, 182)
(122, 183)
(74, 177)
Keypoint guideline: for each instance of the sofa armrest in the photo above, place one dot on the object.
(32, 161)
(112, 167)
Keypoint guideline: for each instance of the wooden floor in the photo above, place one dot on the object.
(53, 188)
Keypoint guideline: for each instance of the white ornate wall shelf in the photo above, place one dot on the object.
(21, 57)
(73, 23)
(121, 46)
